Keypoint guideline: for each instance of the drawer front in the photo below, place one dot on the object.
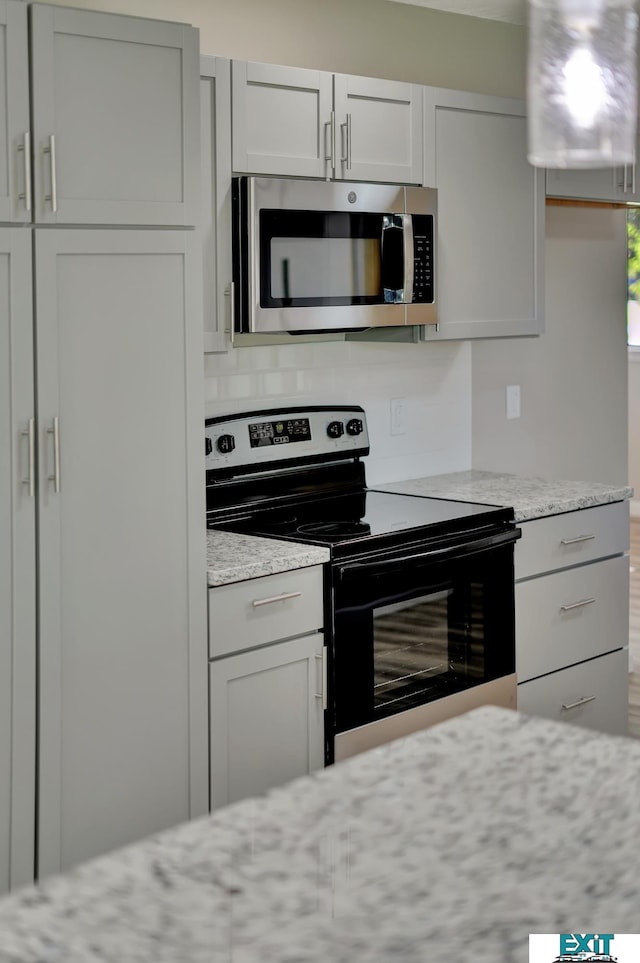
(560, 541)
(593, 694)
(570, 616)
(262, 610)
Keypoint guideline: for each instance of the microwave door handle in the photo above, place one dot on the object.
(392, 259)
(407, 250)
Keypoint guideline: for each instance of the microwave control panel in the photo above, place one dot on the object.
(422, 259)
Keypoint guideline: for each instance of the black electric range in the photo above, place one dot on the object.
(419, 592)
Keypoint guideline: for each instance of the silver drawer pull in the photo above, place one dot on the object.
(574, 541)
(276, 598)
(576, 605)
(580, 702)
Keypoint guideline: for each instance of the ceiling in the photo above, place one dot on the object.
(512, 11)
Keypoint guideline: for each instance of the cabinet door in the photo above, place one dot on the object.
(490, 250)
(214, 216)
(122, 583)
(115, 118)
(281, 120)
(379, 127)
(15, 201)
(594, 694)
(267, 718)
(17, 563)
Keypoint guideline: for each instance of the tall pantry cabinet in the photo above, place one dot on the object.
(102, 497)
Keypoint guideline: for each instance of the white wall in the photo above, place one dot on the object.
(574, 378)
(370, 37)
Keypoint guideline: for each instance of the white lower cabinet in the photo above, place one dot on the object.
(267, 684)
(572, 617)
(591, 694)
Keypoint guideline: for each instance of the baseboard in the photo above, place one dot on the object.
(634, 507)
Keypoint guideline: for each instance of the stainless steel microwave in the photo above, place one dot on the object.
(331, 256)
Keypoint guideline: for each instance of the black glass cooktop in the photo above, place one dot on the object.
(359, 522)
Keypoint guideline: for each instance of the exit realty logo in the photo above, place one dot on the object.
(584, 947)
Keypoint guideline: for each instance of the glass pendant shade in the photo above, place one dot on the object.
(582, 83)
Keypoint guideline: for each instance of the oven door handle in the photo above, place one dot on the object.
(390, 563)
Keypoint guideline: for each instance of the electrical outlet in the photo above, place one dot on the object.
(398, 411)
(513, 401)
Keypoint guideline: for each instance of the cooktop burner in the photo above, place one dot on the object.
(335, 531)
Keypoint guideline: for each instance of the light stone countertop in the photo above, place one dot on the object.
(529, 497)
(234, 558)
(452, 844)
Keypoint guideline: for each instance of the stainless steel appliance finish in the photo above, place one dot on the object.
(332, 256)
(419, 592)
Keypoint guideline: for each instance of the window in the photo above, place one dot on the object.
(633, 278)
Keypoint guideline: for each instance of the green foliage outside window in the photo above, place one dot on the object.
(633, 276)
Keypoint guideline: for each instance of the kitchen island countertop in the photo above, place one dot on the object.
(530, 497)
(454, 843)
(234, 558)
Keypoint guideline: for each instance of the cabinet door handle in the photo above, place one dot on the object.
(51, 151)
(29, 481)
(346, 159)
(25, 146)
(230, 293)
(331, 156)
(276, 598)
(576, 605)
(323, 681)
(580, 702)
(574, 541)
(55, 431)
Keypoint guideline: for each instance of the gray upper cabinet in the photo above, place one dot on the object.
(490, 247)
(380, 130)
(214, 216)
(619, 184)
(17, 563)
(15, 201)
(281, 119)
(297, 122)
(115, 120)
(121, 560)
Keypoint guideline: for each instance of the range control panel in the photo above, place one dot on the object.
(264, 438)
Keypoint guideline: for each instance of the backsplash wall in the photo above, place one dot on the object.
(435, 380)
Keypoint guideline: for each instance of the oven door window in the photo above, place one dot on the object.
(330, 258)
(406, 638)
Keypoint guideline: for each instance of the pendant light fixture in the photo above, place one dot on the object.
(582, 83)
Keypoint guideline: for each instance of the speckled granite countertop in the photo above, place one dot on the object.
(452, 844)
(529, 497)
(234, 558)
